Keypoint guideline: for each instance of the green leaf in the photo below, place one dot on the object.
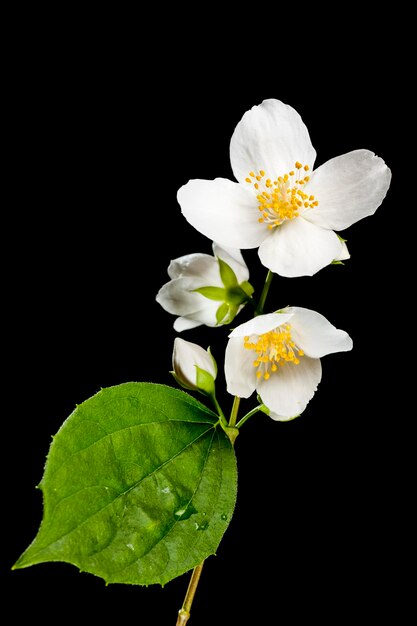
(227, 275)
(139, 486)
(212, 293)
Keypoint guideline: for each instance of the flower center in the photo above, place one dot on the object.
(283, 198)
(273, 349)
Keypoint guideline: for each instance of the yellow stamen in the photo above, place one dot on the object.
(273, 348)
(281, 199)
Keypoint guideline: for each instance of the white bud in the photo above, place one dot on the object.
(194, 367)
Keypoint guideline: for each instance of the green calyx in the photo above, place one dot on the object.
(232, 296)
(204, 382)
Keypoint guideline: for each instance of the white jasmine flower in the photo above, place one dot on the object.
(278, 355)
(279, 203)
(206, 289)
(194, 368)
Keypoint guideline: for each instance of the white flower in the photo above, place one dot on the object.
(279, 203)
(194, 368)
(206, 289)
(278, 355)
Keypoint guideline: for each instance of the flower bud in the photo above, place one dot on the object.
(194, 368)
(206, 289)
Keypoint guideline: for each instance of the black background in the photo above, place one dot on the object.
(106, 126)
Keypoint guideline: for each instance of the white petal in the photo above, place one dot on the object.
(238, 368)
(281, 418)
(183, 323)
(234, 258)
(261, 324)
(299, 248)
(348, 188)
(270, 137)
(289, 390)
(225, 212)
(344, 253)
(202, 267)
(177, 297)
(206, 313)
(314, 334)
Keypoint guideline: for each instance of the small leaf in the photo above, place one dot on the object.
(205, 381)
(212, 293)
(233, 310)
(181, 383)
(247, 288)
(136, 486)
(213, 359)
(221, 312)
(227, 275)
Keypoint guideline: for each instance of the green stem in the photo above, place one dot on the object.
(219, 410)
(260, 308)
(248, 415)
(185, 610)
(233, 414)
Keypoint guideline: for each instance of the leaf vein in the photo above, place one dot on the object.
(134, 486)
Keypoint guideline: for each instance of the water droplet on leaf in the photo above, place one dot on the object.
(184, 511)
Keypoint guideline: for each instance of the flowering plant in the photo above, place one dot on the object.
(140, 482)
